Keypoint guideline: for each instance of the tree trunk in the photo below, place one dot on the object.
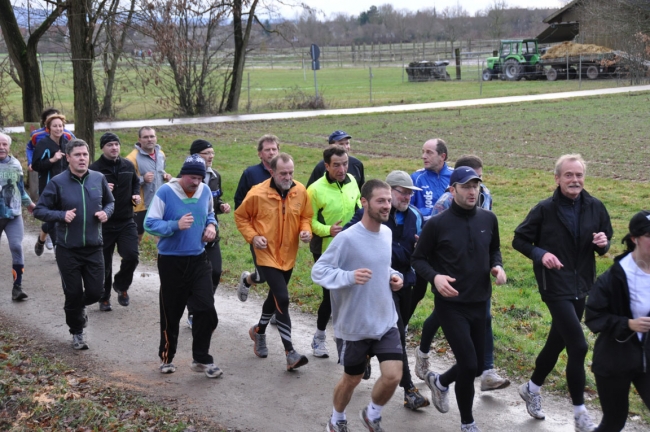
(81, 29)
(241, 38)
(23, 57)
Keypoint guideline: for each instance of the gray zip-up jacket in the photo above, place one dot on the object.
(88, 195)
(144, 164)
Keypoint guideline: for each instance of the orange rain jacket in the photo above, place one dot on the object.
(264, 213)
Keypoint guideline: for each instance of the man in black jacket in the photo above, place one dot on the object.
(120, 230)
(457, 251)
(79, 201)
(560, 236)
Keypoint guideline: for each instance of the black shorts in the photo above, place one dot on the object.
(354, 354)
(138, 217)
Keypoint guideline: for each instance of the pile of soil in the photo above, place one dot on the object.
(574, 49)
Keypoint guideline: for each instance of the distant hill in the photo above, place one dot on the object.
(34, 17)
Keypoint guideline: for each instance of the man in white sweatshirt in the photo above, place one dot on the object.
(356, 268)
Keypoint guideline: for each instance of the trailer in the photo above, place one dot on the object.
(591, 66)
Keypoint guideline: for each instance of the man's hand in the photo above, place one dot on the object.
(305, 236)
(135, 199)
(69, 215)
(185, 222)
(551, 262)
(600, 239)
(225, 208)
(442, 284)
(336, 228)
(641, 324)
(209, 233)
(500, 274)
(259, 242)
(111, 186)
(30, 208)
(148, 177)
(102, 216)
(167, 176)
(361, 276)
(396, 283)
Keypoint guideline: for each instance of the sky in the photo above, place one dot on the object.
(355, 7)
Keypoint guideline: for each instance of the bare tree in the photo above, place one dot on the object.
(188, 39)
(114, 26)
(496, 14)
(23, 54)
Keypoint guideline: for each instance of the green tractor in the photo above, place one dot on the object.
(517, 59)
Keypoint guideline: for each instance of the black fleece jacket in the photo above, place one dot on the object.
(463, 244)
(126, 183)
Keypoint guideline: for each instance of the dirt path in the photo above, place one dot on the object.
(254, 394)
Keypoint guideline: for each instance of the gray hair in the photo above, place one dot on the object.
(77, 142)
(7, 137)
(569, 158)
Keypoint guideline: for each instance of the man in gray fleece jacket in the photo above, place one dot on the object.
(356, 268)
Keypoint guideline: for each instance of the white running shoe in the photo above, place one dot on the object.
(210, 370)
(320, 347)
(48, 243)
(421, 364)
(440, 398)
(533, 402)
(490, 380)
(242, 289)
(583, 422)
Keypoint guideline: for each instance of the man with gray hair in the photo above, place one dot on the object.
(560, 235)
(79, 201)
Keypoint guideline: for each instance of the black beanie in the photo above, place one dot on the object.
(194, 165)
(199, 145)
(106, 138)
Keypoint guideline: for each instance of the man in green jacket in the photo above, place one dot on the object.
(335, 197)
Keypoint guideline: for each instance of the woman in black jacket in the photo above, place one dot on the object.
(49, 160)
(618, 310)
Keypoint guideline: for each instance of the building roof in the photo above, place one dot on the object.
(558, 14)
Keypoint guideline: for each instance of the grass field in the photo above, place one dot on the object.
(518, 143)
(281, 89)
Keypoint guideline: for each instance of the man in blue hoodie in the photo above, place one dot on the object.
(181, 214)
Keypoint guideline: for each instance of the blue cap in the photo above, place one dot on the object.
(338, 136)
(462, 175)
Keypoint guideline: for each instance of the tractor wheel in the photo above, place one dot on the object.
(551, 74)
(487, 75)
(512, 70)
(592, 72)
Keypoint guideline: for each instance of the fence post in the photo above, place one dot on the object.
(457, 52)
(248, 106)
(370, 77)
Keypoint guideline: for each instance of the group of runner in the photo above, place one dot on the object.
(376, 246)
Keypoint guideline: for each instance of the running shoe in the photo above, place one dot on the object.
(17, 293)
(295, 360)
(414, 400)
(105, 306)
(79, 342)
(48, 242)
(583, 422)
(259, 340)
(368, 371)
(440, 398)
(167, 368)
(39, 247)
(421, 364)
(123, 298)
(242, 289)
(372, 426)
(211, 370)
(469, 427)
(340, 426)
(490, 380)
(533, 402)
(320, 347)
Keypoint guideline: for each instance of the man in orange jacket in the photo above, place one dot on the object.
(273, 217)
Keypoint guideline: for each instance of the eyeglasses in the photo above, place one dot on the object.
(210, 153)
(403, 193)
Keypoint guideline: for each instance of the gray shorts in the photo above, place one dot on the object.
(354, 354)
